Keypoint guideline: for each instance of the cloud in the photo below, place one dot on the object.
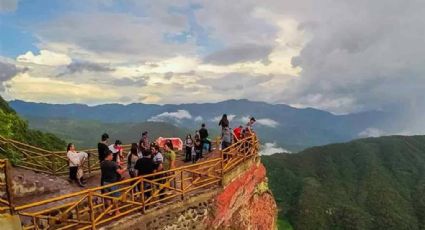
(353, 65)
(126, 81)
(78, 67)
(198, 118)
(303, 53)
(241, 53)
(267, 122)
(45, 57)
(8, 5)
(173, 116)
(29, 88)
(371, 132)
(236, 81)
(236, 28)
(7, 72)
(116, 36)
(271, 148)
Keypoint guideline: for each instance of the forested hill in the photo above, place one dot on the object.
(12, 126)
(374, 183)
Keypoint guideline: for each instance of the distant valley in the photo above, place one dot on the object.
(282, 126)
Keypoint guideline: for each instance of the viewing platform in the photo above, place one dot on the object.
(204, 195)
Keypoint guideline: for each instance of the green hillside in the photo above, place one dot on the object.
(86, 134)
(374, 183)
(12, 126)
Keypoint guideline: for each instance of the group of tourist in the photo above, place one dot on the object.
(195, 147)
(146, 157)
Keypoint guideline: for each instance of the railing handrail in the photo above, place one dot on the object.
(114, 184)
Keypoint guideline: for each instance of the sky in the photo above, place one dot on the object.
(342, 56)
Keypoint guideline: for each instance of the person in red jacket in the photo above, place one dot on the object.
(237, 132)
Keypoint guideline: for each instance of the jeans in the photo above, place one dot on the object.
(111, 189)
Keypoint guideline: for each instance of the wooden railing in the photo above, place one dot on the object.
(93, 207)
(49, 162)
(239, 151)
(5, 188)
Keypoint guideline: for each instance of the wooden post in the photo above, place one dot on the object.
(92, 218)
(181, 184)
(8, 179)
(142, 193)
(222, 166)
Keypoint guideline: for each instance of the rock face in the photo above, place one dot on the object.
(245, 203)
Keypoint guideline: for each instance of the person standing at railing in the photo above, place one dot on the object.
(170, 157)
(196, 150)
(158, 160)
(237, 132)
(145, 166)
(249, 126)
(110, 173)
(132, 159)
(227, 138)
(157, 157)
(102, 147)
(117, 151)
(224, 122)
(169, 160)
(189, 144)
(144, 143)
(203, 133)
(75, 160)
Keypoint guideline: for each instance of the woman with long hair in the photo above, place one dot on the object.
(76, 160)
(224, 122)
(132, 159)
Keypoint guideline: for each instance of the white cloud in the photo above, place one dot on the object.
(267, 122)
(45, 57)
(174, 116)
(272, 148)
(371, 132)
(27, 87)
(198, 118)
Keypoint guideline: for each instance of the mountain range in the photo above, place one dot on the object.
(290, 128)
(86, 133)
(373, 183)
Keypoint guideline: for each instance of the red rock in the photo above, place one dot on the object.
(239, 207)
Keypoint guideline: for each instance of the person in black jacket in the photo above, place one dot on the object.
(102, 147)
(102, 150)
(203, 133)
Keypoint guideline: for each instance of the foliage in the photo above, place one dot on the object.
(283, 224)
(374, 183)
(12, 126)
